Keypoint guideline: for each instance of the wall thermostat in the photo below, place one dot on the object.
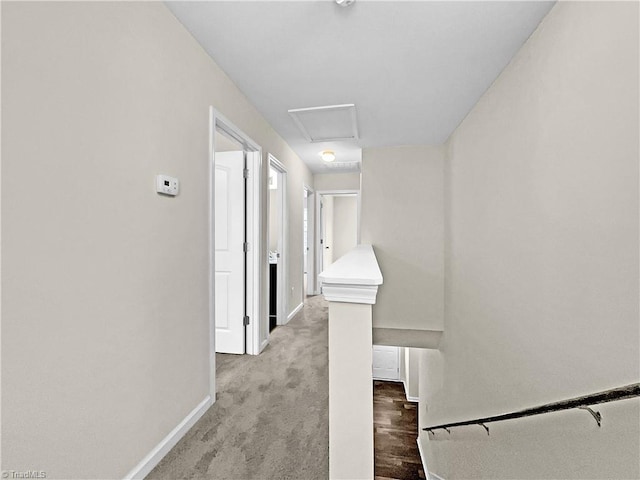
(167, 185)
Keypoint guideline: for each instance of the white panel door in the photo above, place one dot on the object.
(229, 240)
(386, 362)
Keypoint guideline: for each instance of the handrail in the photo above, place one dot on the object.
(583, 403)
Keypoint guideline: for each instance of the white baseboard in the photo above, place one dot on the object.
(406, 394)
(428, 474)
(152, 459)
(383, 379)
(295, 311)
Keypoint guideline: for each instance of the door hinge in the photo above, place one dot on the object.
(245, 320)
(245, 173)
(245, 247)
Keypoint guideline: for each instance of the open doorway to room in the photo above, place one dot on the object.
(338, 226)
(230, 231)
(386, 363)
(277, 228)
(235, 248)
(308, 210)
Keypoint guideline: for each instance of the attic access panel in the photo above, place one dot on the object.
(330, 123)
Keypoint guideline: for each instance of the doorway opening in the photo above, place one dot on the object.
(338, 226)
(235, 316)
(386, 363)
(308, 245)
(277, 228)
(230, 237)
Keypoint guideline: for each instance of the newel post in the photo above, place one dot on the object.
(351, 285)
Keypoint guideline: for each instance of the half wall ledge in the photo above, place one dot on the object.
(353, 278)
(404, 337)
(350, 285)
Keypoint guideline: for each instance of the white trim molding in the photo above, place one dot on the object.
(406, 393)
(350, 293)
(353, 278)
(283, 246)
(255, 270)
(152, 459)
(295, 312)
(427, 473)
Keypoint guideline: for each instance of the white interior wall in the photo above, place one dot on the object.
(345, 224)
(402, 373)
(336, 181)
(402, 216)
(298, 175)
(542, 258)
(98, 98)
(412, 373)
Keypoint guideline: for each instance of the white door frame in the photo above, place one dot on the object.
(318, 248)
(283, 263)
(253, 222)
(311, 244)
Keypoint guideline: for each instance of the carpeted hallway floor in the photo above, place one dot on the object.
(271, 417)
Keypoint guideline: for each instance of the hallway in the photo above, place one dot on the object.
(270, 419)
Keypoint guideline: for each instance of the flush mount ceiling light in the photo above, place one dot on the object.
(344, 3)
(328, 155)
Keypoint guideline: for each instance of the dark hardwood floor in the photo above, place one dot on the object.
(395, 423)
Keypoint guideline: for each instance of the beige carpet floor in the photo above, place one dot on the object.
(271, 416)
